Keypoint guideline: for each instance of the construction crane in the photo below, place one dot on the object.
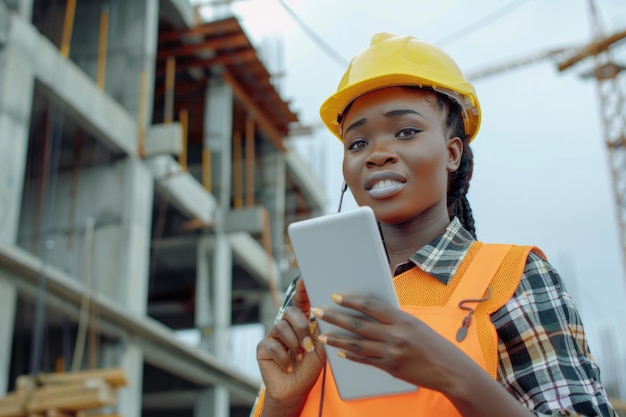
(609, 77)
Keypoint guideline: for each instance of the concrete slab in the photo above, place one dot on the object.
(158, 342)
(66, 84)
(252, 257)
(164, 139)
(182, 189)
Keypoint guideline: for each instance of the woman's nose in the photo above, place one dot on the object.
(381, 155)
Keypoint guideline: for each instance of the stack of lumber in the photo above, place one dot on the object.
(63, 394)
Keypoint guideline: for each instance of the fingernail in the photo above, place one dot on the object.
(341, 354)
(317, 312)
(322, 338)
(336, 298)
(307, 344)
(299, 357)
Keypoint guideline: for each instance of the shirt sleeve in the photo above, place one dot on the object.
(544, 359)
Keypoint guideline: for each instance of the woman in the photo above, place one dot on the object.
(476, 343)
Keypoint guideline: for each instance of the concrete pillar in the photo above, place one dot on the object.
(203, 296)
(129, 243)
(207, 402)
(273, 196)
(8, 301)
(212, 315)
(16, 98)
(218, 138)
(127, 355)
(23, 8)
(132, 46)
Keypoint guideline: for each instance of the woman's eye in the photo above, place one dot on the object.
(407, 131)
(358, 144)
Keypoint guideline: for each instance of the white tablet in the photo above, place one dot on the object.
(344, 253)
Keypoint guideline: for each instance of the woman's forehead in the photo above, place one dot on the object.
(387, 99)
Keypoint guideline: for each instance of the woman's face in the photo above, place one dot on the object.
(396, 154)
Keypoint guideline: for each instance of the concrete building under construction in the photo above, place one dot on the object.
(146, 182)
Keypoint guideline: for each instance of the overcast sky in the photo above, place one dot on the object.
(541, 175)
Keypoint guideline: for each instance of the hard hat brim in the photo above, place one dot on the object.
(333, 107)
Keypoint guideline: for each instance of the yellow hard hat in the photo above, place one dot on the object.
(402, 60)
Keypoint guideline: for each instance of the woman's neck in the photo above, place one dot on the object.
(402, 240)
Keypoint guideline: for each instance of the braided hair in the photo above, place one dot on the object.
(459, 180)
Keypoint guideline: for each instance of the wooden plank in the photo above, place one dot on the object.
(25, 383)
(99, 415)
(230, 41)
(53, 391)
(114, 377)
(12, 406)
(58, 413)
(12, 411)
(85, 399)
(209, 28)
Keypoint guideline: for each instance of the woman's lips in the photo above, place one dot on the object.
(385, 188)
(382, 184)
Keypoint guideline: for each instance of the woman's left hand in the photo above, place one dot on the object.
(394, 341)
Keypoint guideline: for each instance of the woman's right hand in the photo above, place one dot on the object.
(290, 357)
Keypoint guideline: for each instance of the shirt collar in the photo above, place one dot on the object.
(443, 255)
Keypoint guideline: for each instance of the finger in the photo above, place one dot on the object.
(370, 307)
(354, 345)
(301, 298)
(284, 333)
(299, 326)
(361, 326)
(271, 350)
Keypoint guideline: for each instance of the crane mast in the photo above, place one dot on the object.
(611, 90)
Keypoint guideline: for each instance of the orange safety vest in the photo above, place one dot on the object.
(421, 295)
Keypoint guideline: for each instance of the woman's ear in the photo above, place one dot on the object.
(455, 152)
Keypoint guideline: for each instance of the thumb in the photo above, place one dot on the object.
(301, 298)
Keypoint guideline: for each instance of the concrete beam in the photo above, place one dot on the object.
(170, 400)
(66, 84)
(180, 400)
(308, 183)
(249, 220)
(247, 252)
(156, 341)
(182, 189)
(164, 139)
(252, 257)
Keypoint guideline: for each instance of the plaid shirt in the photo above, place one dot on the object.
(544, 360)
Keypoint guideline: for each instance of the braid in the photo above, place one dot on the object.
(458, 185)
(459, 181)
